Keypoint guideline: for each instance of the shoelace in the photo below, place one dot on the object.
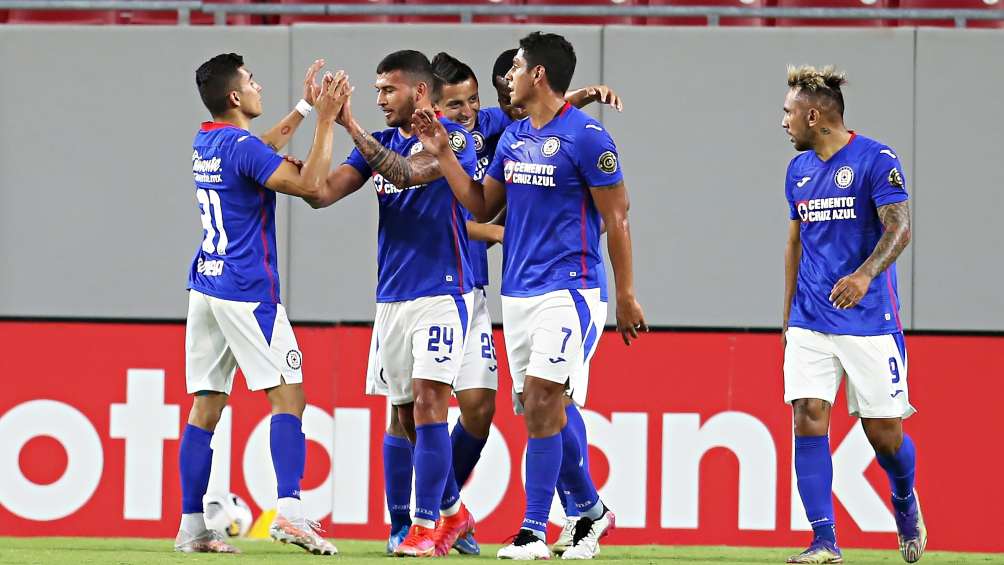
(582, 529)
(520, 538)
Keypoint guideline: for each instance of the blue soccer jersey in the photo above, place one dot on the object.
(422, 246)
(552, 233)
(237, 259)
(837, 203)
(490, 124)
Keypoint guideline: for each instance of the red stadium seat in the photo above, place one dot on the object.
(292, 18)
(834, 4)
(955, 5)
(454, 19)
(675, 21)
(71, 17)
(624, 20)
(197, 18)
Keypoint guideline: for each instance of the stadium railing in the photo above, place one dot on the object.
(467, 12)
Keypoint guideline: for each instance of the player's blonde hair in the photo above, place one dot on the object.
(826, 82)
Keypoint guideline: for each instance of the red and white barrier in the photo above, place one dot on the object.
(690, 440)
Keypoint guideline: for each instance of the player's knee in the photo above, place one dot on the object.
(429, 407)
(207, 411)
(812, 416)
(542, 411)
(287, 399)
(477, 419)
(885, 435)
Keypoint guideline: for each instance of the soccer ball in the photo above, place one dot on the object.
(227, 513)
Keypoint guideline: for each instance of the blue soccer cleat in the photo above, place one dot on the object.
(821, 551)
(912, 532)
(467, 545)
(396, 537)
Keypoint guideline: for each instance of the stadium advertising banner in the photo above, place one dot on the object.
(691, 442)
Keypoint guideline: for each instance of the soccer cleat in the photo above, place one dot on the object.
(587, 534)
(302, 533)
(912, 532)
(821, 551)
(209, 541)
(418, 543)
(565, 539)
(396, 537)
(467, 545)
(525, 547)
(451, 528)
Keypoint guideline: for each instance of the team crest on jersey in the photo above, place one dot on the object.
(896, 178)
(479, 141)
(509, 167)
(551, 146)
(294, 359)
(844, 177)
(417, 148)
(457, 141)
(607, 162)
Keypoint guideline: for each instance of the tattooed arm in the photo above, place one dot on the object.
(851, 289)
(402, 171)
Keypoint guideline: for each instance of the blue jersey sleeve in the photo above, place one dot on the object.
(255, 160)
(599, 164)
(792, 208)
(493, 121)
(462, 144)
(358, 162)
(886, 180)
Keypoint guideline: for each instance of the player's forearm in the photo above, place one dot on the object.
(469, 192)
(391, 165)
(792, 257)
(314, 174)
(578, 98)
(619, 249)
(489, 233)
(280, 134)
(896, 220)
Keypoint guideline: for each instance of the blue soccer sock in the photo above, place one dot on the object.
(289, 453)
(432, 469)
(814, 470)
(543, 463)
(575, 477)
(578, 427)
(195, 461)
(397, 469)
(466, 452)
(900, 468)
(566, 500)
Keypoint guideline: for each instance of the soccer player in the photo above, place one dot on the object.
(424, 291)
(235, 317)
(850, 220)
(458, 101)
(557, 173)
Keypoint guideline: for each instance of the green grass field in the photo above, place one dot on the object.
(82, 551)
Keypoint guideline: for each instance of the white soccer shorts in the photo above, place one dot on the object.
(422, 338)
(221, 335)
(876, 369)
(553, 336)
(479, 368)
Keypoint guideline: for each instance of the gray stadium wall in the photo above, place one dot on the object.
(98, 218)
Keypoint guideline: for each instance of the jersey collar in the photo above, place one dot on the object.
(210, 126)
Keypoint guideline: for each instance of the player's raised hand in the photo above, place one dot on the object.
(344, 117)
(430, 132)
(605, 95)
(849, 290)
(630, 319)
(331, 99)
(311, 90)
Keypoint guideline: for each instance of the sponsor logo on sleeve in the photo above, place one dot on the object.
(896, 178)
(417, 148)
(844, 177)
(889, 153)
(294, 359)
(551, 146)
(607, 162)
(479, 141)
(457, 141)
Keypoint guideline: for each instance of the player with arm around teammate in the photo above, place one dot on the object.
(849, 221)
(559, 168)
(235, 317)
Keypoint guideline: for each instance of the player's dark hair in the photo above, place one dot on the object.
(823, 84)
(413, 63)
(215, 80)
(451, 70)
(554, 53)
(503, 63)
